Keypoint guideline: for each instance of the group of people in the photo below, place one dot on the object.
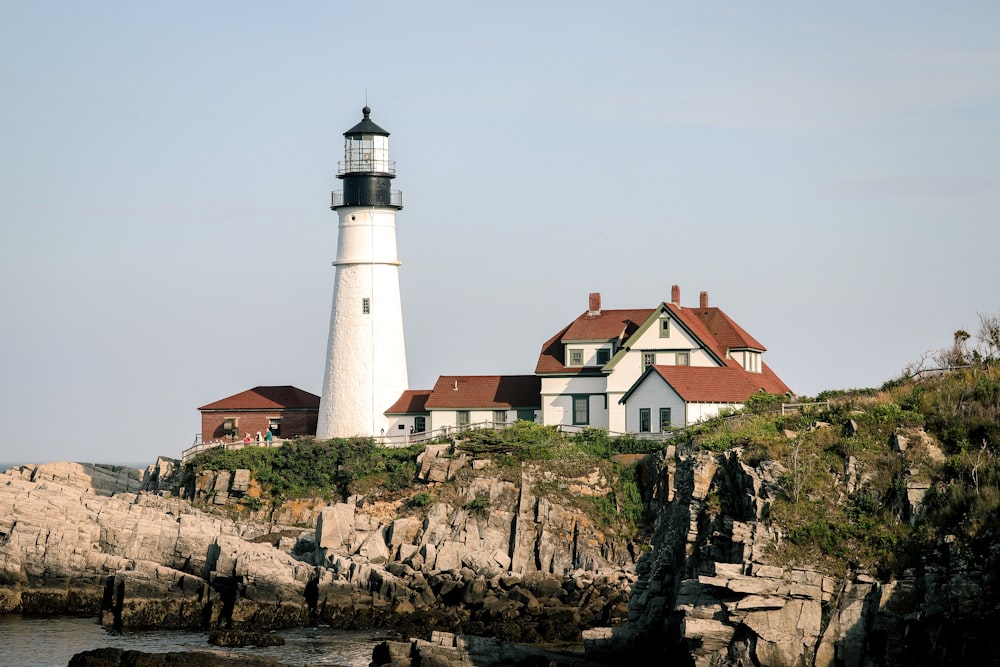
(268, 438)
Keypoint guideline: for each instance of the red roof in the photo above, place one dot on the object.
(552, 357)
(412, 401)
(711, 326)
(730, 335)
(464, 392)
(605, 325)
(719, 384)
(267, 398)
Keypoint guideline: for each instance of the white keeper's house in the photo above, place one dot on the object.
(626, 371)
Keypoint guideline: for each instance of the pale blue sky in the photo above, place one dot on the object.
(828, 172)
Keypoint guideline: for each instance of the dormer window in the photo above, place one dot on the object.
(603, 356)
(576, 357)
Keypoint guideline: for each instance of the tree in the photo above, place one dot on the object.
(988, 337)
(957, 354)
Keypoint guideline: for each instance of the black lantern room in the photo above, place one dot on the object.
(366, 170)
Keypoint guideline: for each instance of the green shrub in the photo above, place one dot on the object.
(762, 403)
(338, 467)
(479, 506)
(422, 499)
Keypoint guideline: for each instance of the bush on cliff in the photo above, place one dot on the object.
(332, 468)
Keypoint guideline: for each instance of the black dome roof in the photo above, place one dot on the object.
(366, 126)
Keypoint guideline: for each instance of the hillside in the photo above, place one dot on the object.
(854, 528)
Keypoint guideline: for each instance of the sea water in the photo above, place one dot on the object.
(52, 641)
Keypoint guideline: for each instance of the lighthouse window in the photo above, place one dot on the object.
(366, 305)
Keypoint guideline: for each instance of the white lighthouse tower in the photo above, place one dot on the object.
(366, 357)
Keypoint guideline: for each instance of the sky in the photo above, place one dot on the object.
(828, 172)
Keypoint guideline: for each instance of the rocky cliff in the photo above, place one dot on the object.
(497, 560)
(499, 556)
(714, 591)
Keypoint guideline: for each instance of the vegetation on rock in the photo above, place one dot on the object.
(853, 493)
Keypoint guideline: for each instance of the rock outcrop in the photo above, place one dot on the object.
(709, 591)
(492, 557)
(497, 560)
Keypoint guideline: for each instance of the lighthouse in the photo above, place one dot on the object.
(366, 358)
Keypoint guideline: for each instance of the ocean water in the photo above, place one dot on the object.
(52, 641)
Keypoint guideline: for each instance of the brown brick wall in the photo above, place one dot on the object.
(293, 423)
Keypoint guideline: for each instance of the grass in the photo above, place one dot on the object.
(871, 527)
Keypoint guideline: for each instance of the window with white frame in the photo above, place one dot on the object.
(500, 417)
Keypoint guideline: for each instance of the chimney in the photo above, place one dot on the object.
(595, 304)
(703, 300)
(675, 295)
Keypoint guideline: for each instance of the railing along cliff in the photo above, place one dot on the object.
(445, 432)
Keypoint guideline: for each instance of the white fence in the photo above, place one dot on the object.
(408, 439)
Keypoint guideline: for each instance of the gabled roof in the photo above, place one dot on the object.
(467, 392)
(267, 398)
(729, 335)
(607, 325)
(713, 384)
(412, 401)
(716, 331)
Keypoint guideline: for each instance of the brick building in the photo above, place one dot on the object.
(286, 411)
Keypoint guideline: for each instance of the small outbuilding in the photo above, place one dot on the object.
(463, 401)
(285, 411)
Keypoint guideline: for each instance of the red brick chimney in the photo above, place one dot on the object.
(595, 304)
(675, 295)
(703, 300)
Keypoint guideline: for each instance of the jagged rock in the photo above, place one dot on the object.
(239, 638)
(707, 594)
(161, 476)
(241, 481)
(437, 463)
(335, 527)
